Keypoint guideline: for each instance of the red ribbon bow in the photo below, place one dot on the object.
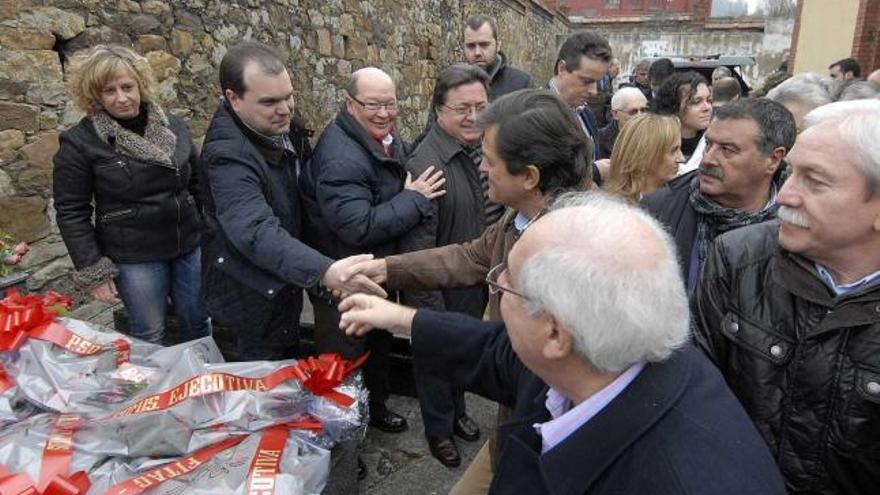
(322, 374)
(21, 484)
(21, 313)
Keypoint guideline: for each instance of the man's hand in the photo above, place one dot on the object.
(376, 270)
(106, 293)
(362, 313)
(428, 184)
(342, 281)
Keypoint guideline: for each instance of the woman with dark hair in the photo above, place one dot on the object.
(125, 187)
(686, 95)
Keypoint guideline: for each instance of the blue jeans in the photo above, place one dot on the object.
(145, 288)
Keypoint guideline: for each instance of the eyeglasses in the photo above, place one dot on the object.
(494, 286)
(635, 111)
(465, 110)
(371, 106)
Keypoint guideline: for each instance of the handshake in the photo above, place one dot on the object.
(356, 274)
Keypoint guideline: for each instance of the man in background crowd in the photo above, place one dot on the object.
(482, 48)
(724, 91)
(844, 70)
(625, 104)
(661, 70)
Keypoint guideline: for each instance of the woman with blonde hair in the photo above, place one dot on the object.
(646, 155)
(126, 188)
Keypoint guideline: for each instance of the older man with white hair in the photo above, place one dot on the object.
(802, 93)
(790, 309)
(625, 104)
(592, 356)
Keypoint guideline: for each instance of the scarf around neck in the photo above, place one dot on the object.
(156, 145)
(715, 219)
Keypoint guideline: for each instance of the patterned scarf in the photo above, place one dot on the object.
(715, 219)
(157, 144)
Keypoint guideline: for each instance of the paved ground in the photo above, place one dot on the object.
(401, 464)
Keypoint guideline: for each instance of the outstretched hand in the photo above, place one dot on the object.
(340, 279)
(361, 313)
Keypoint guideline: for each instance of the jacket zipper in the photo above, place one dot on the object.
(106, 217)
(177, 201)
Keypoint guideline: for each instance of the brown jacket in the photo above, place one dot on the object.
(456, 265)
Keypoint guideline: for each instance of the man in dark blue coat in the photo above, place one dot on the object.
(359, 199)
(254, 264)
(607, 394)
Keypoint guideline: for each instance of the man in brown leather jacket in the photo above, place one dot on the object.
(533, 149)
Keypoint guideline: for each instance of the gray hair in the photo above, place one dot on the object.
(625, 94)
(810, 89)
(858, 90)
(621, 306)
(858, 122)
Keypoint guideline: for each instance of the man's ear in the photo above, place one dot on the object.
(774, 160)
(532, 178)
(558, 342)
(231, 97)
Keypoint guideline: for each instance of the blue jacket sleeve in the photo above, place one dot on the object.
(252, 227)
(345, 197)
(473, 353)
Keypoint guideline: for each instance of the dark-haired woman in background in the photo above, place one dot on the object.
(687, 96)
(125, 187)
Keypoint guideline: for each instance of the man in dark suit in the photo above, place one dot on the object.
(607, 394)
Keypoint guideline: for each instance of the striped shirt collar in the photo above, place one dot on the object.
(566, 420)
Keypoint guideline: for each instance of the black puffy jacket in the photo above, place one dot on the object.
(353, 193)
(804, 362)
(143, 210)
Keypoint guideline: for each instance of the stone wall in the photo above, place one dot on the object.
(323, 41)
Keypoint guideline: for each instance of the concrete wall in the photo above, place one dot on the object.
(323, 41)
(825, 33)
(766, 40)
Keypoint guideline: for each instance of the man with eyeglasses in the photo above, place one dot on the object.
(625, 104)
(360, 199)
(593, 358)
(453, 146)
(533, 150)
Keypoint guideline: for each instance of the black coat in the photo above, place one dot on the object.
(354, 195)
(804, 362)
(504, 79)
(143, 210)
(676, 429)
(671, 206)
(253, 215)
(607, 137)
(457, 217)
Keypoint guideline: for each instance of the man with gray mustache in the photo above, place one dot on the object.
(736, 184)
(789, 310)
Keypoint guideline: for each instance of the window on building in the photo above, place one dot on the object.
(635, 3)
(612, 4)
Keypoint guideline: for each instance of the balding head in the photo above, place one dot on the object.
(608, 273)
(875, 77)
(372, 100)
(367, 77)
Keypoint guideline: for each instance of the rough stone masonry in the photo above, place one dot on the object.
(323, 41)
